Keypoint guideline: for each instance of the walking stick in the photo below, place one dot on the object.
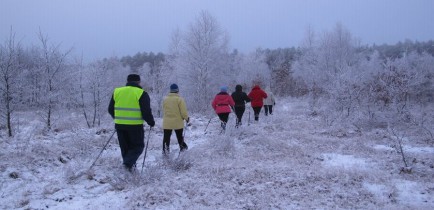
(185, 128)
(102, 150)
(146, 150)
(248, 122)
(183, 139)
(207, 124)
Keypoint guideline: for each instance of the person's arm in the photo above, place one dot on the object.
(246, 98)
(250, 96)
(231, 103)
(214, 103)
(183, 110)
(111, 107)
(145, 108)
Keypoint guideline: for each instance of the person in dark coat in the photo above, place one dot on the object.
(130, 107)
(257, 95)
(240, 99)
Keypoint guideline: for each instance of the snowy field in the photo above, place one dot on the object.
(289, 160)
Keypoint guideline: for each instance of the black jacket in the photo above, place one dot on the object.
(240, 97)
(145, 107)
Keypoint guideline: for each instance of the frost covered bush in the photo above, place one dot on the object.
(348, 87)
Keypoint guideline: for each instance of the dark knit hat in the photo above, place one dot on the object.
(174, 88)
(133, 78)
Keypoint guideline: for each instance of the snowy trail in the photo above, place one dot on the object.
(288, 160)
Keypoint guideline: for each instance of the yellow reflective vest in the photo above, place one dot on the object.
(127, 108)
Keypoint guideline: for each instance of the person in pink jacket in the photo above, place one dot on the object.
(222, 104)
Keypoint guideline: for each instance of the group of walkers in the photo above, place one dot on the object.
(223, 103)
(130, 108)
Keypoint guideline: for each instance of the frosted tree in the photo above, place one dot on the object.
(369, 68)
(254, 70)
(78, 92)
(407, 86)
(33, 77)
(306, 68)
(235, 66)
(330, 70)
(202, 61)
(401, 82)
(157, 82)
(10, 73)
(102, 76)
(51, 66)
(280, 64)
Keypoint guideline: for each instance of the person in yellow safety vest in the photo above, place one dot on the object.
(130, 107)
(174, 114)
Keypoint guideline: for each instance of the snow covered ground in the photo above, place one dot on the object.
(289, 160)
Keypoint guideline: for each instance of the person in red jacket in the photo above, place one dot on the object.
(257, 96)
(222, 104)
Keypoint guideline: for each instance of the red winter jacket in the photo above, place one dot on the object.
(222, 103)
(257, 95)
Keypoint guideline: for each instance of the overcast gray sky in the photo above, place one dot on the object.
(102, 28)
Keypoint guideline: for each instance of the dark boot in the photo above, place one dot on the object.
(166, 150)
(183, 146)
(223, 125)
(128, 167)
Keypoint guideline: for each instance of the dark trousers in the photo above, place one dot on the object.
(239, 111)
(166, 140)
(131, 142)
(257, 110)
(224, 118)
(268, 109)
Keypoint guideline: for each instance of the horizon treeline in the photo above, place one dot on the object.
(385, 51)
(345, 82)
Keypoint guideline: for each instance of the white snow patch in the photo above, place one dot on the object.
(412, 193)
(406, 149)
(420, 149)
(379, 190)
(285, 108)
(344, 161)
(383, 147)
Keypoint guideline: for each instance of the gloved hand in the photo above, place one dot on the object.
(188, 121)
(152, 124)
